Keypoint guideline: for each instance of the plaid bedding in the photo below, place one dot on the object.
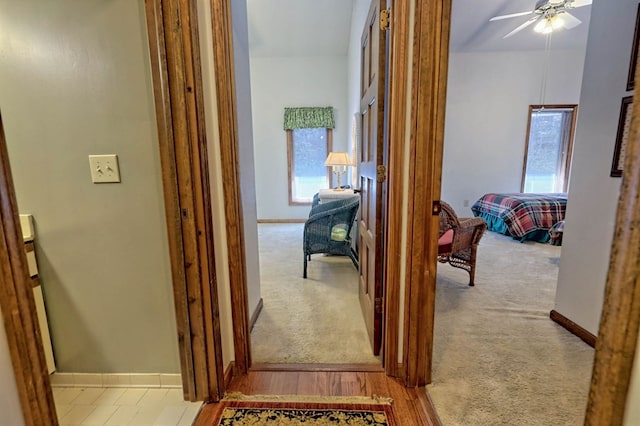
(523, 214)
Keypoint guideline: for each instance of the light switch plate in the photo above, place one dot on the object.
(104, 168)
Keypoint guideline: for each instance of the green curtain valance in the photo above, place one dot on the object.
(308, 117)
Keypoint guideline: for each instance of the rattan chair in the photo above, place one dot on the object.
(458, 240)
(328, 228)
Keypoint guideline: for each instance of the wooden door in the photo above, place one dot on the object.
(371, 157)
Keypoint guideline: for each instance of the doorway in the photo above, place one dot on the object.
(616, 321)
(297, 69)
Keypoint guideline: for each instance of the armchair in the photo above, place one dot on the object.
(328, 228)
(458, 240)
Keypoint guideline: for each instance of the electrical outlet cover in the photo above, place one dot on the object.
(104, 168)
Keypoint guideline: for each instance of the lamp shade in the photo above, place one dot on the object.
(338, 159)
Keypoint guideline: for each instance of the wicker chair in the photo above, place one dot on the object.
(458, 240)
(328, 228)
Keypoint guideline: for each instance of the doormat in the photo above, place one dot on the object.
(308, 411)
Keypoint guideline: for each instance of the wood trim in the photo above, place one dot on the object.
(256, 314)
(175, 65)
(317, 367)
(291, 168)
(18, 308)
(227, 119)
(567, 155)
(398, 77)
(282, 220)
(427, 409)
(430, 63)
(228, 374)
(573, 328)
(619, 324)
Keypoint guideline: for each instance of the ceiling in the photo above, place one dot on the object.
(321, 27)
(472, 31)
(299, 27)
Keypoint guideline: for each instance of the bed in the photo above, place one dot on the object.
(522, 216)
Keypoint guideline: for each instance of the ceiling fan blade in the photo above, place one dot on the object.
(522, 27)
(578, 3)
(570, 21)
(513, 15)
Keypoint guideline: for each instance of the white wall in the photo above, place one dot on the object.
(358, 18)
(593, 196)
(245, 148)
(279, 82)
(9, 400)
(488, 98)
(76, 80)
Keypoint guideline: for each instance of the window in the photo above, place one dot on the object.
(309, 138)
(307, 150)
(547, 157)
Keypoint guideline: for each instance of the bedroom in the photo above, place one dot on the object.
(579, 291)
(490, 88)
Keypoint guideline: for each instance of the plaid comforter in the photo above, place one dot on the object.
(523, 214)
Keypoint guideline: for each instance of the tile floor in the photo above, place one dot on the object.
(123, 406)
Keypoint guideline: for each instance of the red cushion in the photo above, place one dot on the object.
(444, 242)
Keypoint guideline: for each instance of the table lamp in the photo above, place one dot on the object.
(339, 162)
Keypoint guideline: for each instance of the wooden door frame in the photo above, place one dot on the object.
(172, 27)
(617, 340)
(429, 62)
(18, 307)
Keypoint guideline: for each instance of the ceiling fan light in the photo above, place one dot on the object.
(557, 22)
(541, 26)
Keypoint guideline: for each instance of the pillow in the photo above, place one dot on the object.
(444, 242)
(338, 233)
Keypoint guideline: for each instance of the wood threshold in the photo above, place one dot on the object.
(282, 220)
(407, 407)
(573, 328)
(317, 367)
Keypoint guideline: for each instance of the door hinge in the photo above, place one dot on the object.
(436, 208)
(378, 305)
(381, 173)
(385, 15)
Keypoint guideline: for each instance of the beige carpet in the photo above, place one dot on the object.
(498, 358)
(317, 320)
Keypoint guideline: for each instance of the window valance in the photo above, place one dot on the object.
(308, 117)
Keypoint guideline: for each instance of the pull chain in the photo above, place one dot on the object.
(543, 86)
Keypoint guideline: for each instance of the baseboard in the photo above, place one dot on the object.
(255, 315)
(425, 408)
(107, 380)
(282, 220)
(228, 374)
(573, 328)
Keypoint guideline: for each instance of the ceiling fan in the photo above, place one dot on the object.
(550, 14)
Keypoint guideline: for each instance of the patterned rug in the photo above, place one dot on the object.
(255, 410)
